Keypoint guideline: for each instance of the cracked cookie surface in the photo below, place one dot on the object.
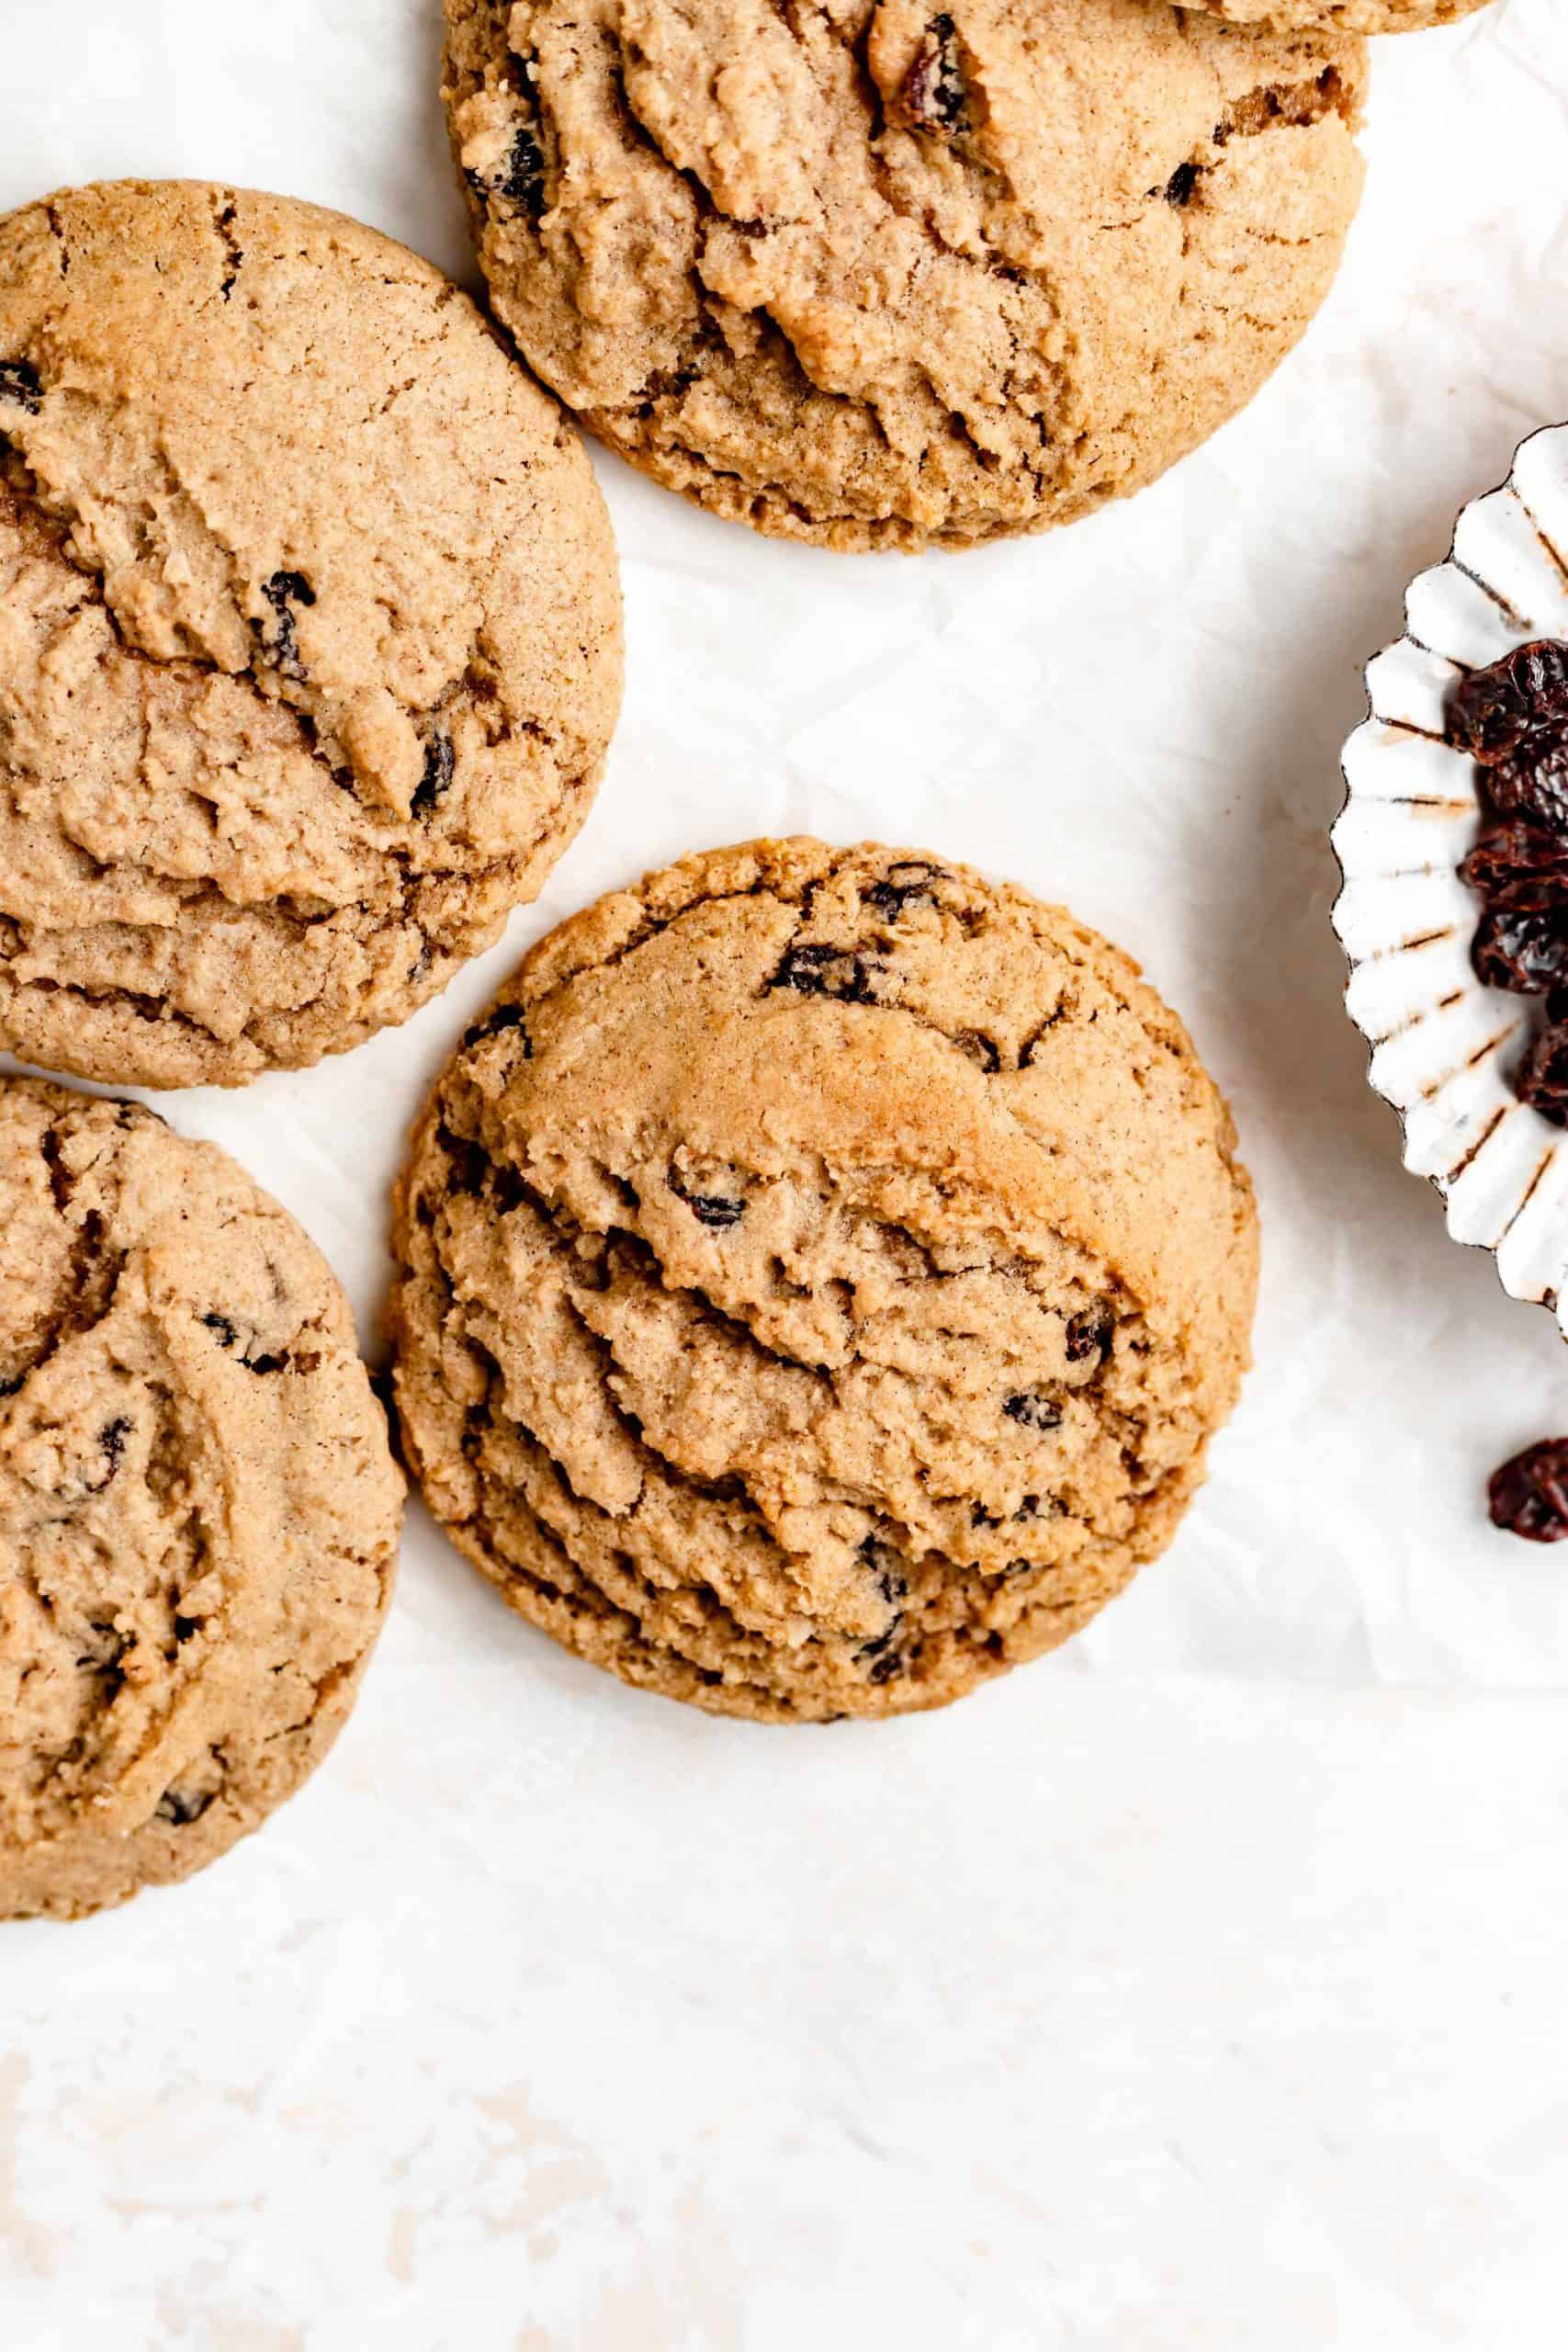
(198, 1505)
(309, 633)
(871, 274)
(819, 1277)
(1343, 16)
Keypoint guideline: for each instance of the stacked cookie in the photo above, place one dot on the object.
(820, 1274)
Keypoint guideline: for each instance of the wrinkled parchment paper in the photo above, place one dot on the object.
(1118, 2008)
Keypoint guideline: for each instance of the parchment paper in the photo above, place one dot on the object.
(1159, 1998)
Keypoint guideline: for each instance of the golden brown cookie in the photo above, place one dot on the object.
(820, 1276)
(874, 274)
(1342, 15)
(199, 1507)
(309, 633)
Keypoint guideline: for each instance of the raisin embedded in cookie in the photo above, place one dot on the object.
(890, 274)
(1342, 15)
(310, 639)
(198, 1505)
(819, 1279)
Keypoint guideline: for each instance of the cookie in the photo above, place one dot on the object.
(819, 1276)
(1342, 15)
(881, 275)
(309, 633)
(198, 1505)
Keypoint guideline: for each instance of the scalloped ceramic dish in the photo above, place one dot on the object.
(1443, 1046)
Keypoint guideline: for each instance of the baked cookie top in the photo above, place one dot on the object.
(1342, 15)
(199, 1507)
(309, 633)
(819, 1277)
(873, 275)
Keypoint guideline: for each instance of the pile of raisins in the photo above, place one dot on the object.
(1513, 720)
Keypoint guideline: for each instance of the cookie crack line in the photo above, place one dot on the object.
(964, 1042)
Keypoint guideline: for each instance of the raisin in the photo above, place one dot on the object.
(1543, 1079)
(1034, 1408)
(504, 1017)
(1533, 782)
(112, 1439)
(1524, 952)
(1518, 865)
(906, 884)
(720, 1216)
(281, 640)
(228, 1336)
(1528, 1496)
(187, 1628)
(178, 1809)
(11, 1387)
(817, 970)
(881, 1655)
(1491, 712)
(932, 89)
(21, 384)
(523, 182)
(440, 767)
(1181, 186)
(1089, 1333)
(885, 1566)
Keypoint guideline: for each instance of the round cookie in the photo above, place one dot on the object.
(818, 1279)
(309, 633)
(1342, 15)
(199, 1507)
(873, 275)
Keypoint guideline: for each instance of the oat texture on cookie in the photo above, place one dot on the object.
(198, 1505)
(1343, 16)
(309, 633)
(874, 273)
(819, 1277)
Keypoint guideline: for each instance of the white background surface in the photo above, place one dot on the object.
(1203, 1988)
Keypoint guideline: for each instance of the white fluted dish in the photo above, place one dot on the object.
(1442, 1045)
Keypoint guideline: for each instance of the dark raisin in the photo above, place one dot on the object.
(1528, 1496)
(504, 1017)
(523, 181)
(709, 1208)
(1543, 1080)
(932, 91)
(885, 1565)
(1491, 712)
(112, 1439)
(1033, 1409)
(908, 883)
(266, 1364)
(440, 767)
(1526, 952)
(227, 1334)
(10, 1387)
(176, 1807)
(1089, 1333)
(280, 636)
(1518, 865)
(881, 1654)
(1533, 782)
(816, 971)
(187, 1628)
(1181, 186)
(22, 385)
